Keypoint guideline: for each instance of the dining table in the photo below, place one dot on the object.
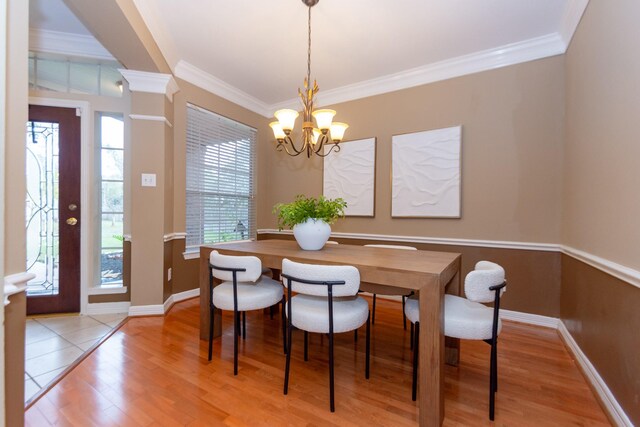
(429, 274)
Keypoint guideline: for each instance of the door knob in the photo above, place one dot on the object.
(72, 221)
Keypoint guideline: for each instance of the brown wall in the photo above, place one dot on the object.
(512, 131)
(602, 315)
(601, 204)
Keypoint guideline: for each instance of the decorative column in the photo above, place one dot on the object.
(149, 217)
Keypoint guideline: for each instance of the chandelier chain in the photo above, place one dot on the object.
(309, 51)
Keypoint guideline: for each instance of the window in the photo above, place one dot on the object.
(220, 199)
(60, 74)
(111, 154)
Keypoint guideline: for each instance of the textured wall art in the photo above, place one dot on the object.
(350, 174)
(426, 174)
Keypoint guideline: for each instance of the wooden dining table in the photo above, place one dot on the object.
(430, 274)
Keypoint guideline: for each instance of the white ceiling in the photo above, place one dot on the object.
(254, 52)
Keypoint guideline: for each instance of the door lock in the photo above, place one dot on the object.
(73, 207)
(72, 221)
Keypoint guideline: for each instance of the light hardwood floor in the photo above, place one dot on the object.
(154, 371)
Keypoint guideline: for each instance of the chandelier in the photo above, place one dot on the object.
(314, 138)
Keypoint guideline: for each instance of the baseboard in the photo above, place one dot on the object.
(530, 319)
(180, 296)
(146, 310)
(612, 406)
(107, 308)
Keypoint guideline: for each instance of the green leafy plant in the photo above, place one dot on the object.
(303, 208)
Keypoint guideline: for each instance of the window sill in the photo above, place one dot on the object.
(107, 290)
(194, 252)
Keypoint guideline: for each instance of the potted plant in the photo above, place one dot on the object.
(310, 218)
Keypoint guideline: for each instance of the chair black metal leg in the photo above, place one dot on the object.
(244, 325)
(355, 335)
(211, 314)
(331, 385)
(495, 365)
(373, 311)
(288, 363)
(404, 316)
(271, 312)
(306, 346)
(411, 338)
(284, 328)
(492, 382)
(368, 351)
(414, 387)
(236, 331)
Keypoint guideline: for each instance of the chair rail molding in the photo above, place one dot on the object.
(626, 274)
(175, 236)
(151, 118)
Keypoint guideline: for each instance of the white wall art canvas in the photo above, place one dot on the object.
(350, 173)
(426, 174)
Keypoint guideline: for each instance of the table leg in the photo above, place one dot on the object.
(431, 355)
(452, 345)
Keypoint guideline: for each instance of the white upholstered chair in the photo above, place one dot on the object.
(243, 288)
(326, 302)
(388, 290)
(467, 318)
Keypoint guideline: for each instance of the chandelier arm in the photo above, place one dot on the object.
(333, 146)
(281, 146)
(289, 141)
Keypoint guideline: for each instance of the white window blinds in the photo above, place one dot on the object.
(220, 179)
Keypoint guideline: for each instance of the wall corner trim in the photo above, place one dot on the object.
(593, 377)
(144, 81)
(150, 118)
(15, 284)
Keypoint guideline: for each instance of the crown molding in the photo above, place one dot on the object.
(502, 56)
(144, 81)
(570, 19)
(68, 44)
(206, 81)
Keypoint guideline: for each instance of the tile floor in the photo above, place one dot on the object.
(53, 343)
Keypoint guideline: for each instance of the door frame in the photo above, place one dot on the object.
(86, 143)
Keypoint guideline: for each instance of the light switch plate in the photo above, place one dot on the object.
(148, 179)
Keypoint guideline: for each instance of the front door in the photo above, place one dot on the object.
(53, 209)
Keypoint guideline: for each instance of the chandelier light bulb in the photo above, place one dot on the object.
(337, 130)
(324, 118)
(277, 130)
(287, 119)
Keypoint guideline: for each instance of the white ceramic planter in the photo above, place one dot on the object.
(312, 234)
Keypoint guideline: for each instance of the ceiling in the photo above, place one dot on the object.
(255, 52)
